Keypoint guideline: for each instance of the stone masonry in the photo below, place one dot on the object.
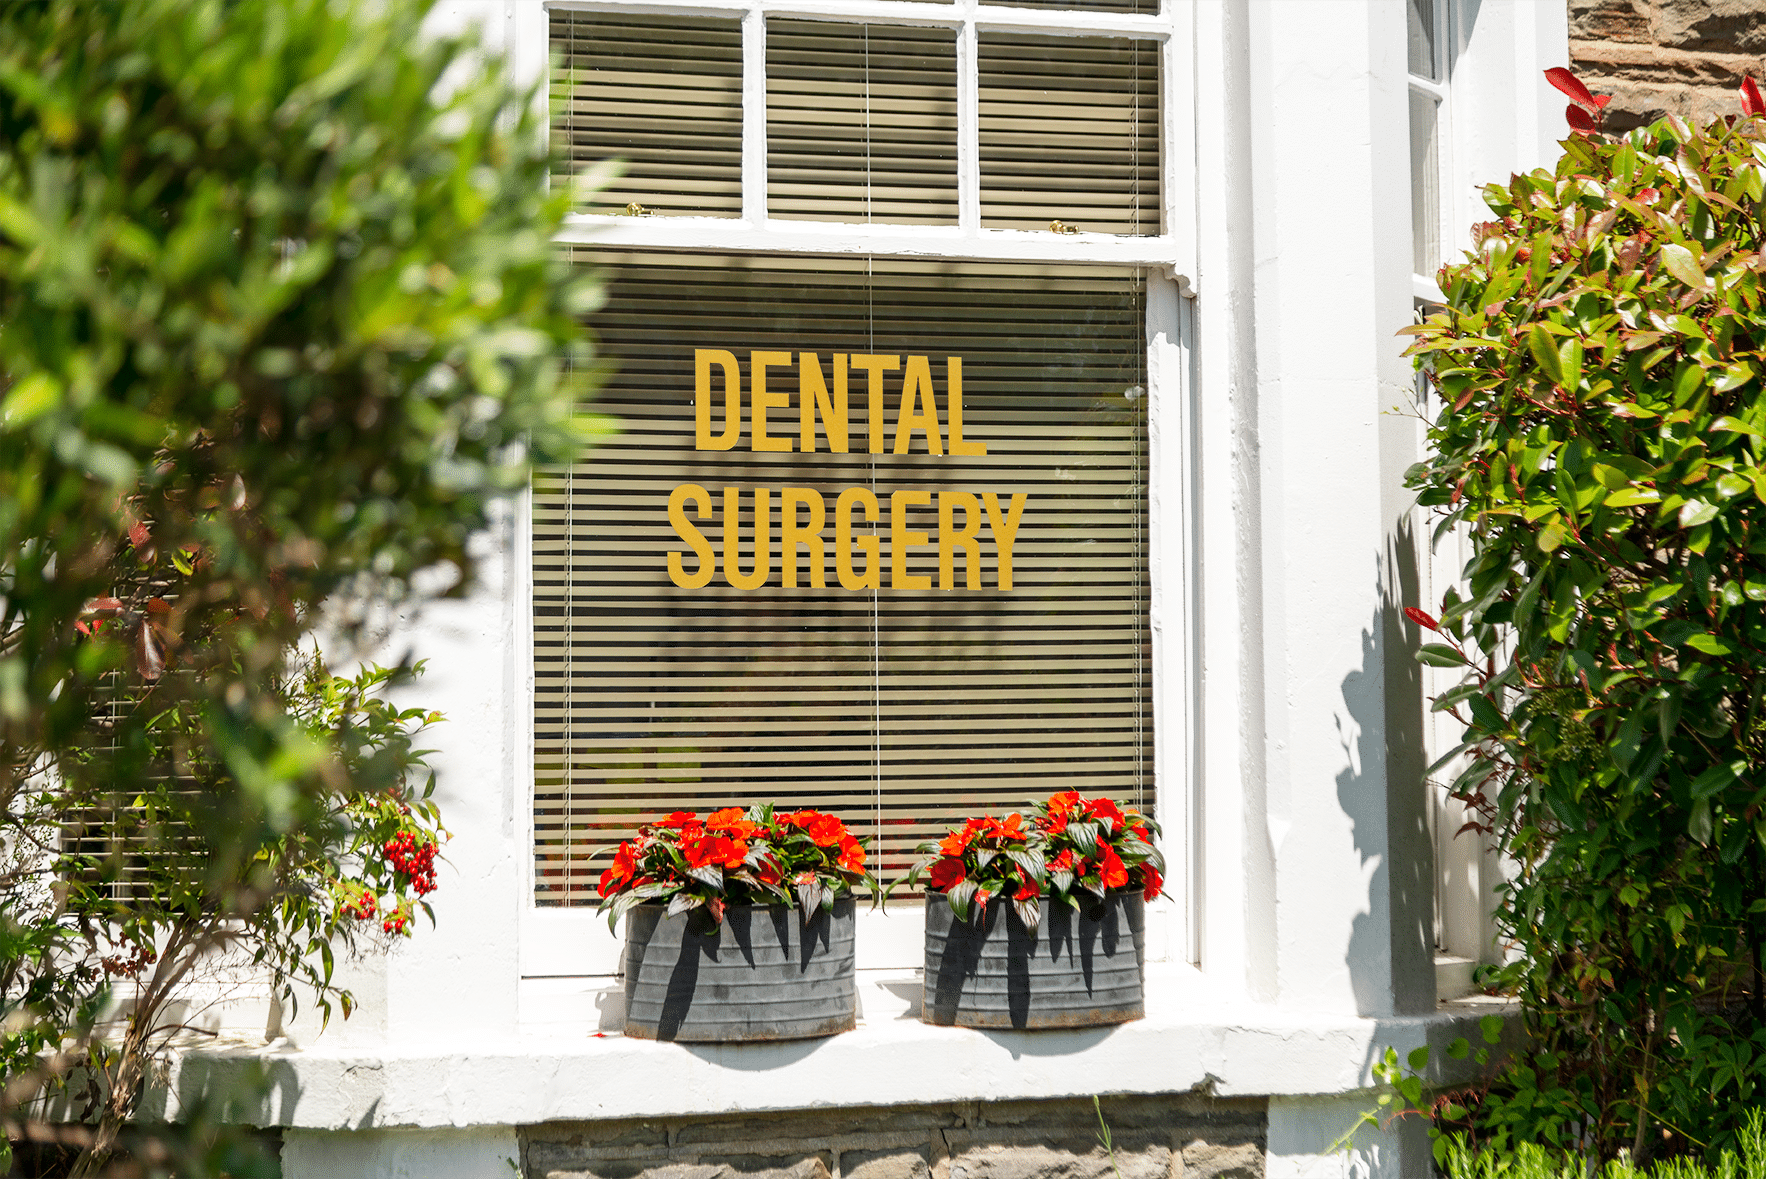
(1176, 1137)
(1656, 57)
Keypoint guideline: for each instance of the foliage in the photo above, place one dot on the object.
(1533, 1161)
(283, 321)
(1600, 362)
(736, 857)
(1072, 845)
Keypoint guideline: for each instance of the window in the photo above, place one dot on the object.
(874, 533)
(1427, 24)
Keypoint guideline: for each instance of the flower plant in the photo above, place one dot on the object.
(1071, 846)
(759, 856)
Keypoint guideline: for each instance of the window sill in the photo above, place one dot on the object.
(568, 1067)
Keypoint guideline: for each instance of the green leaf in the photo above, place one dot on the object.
(1695, 512)
(1553, 534)
(1679, 262)
(1545, 353)
(1630, 497)
(1440, 655)
(1418, 1058)
(1698, 825)
(1717, 778)
(1710, 645)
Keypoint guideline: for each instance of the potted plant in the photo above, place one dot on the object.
(1040, 924)
(738, 926)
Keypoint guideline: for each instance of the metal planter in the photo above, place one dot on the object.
(765, 974)
(1082, 969)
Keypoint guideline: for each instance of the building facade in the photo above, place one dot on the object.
(1007, 400)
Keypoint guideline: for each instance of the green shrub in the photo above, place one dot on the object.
(1600, 362)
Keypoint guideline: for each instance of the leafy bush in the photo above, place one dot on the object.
(283, 320)
(1600, 361)
(1531, 1161)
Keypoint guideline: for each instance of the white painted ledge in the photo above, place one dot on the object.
(1193, 1039)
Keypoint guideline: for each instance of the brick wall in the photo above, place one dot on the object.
(1659, 56)
(1178, 1137)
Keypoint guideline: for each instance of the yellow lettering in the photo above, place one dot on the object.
(761, 400)
(900, 538)
(812, 394)
(763, 547)
(1004, 532)
(677, 515)
(790, 535)
(844, 541)
(876, 366)
(949, 538)
(953, 386)
(919, 407)
(703, 359)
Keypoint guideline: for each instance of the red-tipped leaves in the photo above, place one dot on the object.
(1751, 103)
(1421, 618)
(1578, 119)
(1572, 85)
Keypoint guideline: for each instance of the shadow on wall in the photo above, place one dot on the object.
(1391, 958)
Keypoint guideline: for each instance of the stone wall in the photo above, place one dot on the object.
(1179, 1137)
(1656, 57)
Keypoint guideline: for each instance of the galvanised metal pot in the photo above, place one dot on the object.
(764, 974)
(1081, 969)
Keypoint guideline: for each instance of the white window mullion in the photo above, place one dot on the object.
(754, 186)
(968, 130)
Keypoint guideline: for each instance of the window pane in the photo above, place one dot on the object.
(861, 122)
(1150, 7)
(1421, 20)
(900, 708)
(662, 93)
(1069, 133)
(1425, 185)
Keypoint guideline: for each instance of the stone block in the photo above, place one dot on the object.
(1025, 1157)
(1222, 1160)
(889, 1163)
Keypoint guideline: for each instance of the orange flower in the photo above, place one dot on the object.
(956, 843)
(1103, 808)
(732, 821)
(1111, 872)
(945, 875)
(852, 856)
(624, 864)
(824, 829)
(680, 821)
(702, 850)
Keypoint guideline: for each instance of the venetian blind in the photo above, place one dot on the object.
(901, 709)
(861, 122)
(1069, 132)
(663, 93)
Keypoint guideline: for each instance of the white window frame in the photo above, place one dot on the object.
(559, 944)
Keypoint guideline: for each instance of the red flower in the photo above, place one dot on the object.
(956, 843)
(624, 864)
(1062, 862)
(768, 870)
(1111, 872)
(1155, 883)
(732, 821)
(1010, 829)
(824, 829)
(852, 856)
(680, 821)
(1026, 892)
(702, 850)
(945, 875)
(1103, 808)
